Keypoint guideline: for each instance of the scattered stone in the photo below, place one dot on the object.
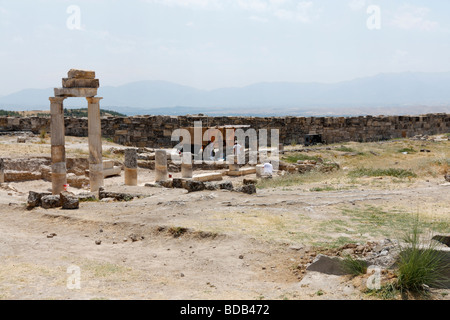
(447, 177)
(211, 186)
(51, 235)
(249, 189)
(85, 197)
(177, 183)
(327, 265)
(241, 257)
(117, 195)
(250, 181)
(182, 275)
(192, 186)
(34, 199)
(21, 140)
(69, 200)
(226, 185)
(153, 185)
(166, 183)
(51, 201)
(98, 242)
(442, 239)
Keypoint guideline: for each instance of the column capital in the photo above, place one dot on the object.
(93, 100)
(56, 99)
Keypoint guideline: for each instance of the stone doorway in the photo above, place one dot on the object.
(79, 83)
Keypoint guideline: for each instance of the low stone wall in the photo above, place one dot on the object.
(156, 131)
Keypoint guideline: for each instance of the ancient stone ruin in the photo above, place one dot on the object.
(80, 83)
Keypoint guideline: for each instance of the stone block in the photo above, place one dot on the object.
(108, 164)
(34, 199)
(192, 186)
(81, 74)
(75, 92)
(69, 200)
(241, 172)
(226, 185)
(80, 83)
(49, 202)
(208, 177)
(249, 189)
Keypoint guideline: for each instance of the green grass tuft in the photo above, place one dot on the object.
(354, 266)
(420, 264)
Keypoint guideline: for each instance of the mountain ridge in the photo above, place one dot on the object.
(383, 90)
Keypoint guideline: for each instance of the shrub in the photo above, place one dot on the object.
(420, 264)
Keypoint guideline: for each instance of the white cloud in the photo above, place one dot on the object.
(202, 4)
(357, 5)
(260, 10)
(412, 17)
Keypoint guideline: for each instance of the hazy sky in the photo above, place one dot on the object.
(215, 43)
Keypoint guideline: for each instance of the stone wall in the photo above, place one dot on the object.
(155, 131)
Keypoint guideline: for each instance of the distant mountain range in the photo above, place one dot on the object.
(400, 93)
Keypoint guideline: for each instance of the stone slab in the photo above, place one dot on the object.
(81, 74)
(76, 92)
(108, 164)
(241, 172)
(80, 83)
(207, 177)
(115, 171)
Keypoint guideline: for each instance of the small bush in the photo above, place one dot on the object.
(420, 265)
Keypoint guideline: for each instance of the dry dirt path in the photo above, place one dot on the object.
(224, 253)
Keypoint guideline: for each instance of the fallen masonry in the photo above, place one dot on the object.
(119, 196)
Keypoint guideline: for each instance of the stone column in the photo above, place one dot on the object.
(186, 165)
(57, 131)
(95, 144)
(160, 165)
(2, 171)
(130, 167)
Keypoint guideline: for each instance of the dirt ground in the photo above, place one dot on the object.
(171, 244)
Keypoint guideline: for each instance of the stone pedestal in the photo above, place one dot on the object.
(186, 165)
(161, 173)
(232, 163)
(130, 165)
(58, 150)
(95, 144)
(259, 170)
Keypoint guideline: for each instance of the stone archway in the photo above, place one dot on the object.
(80, 83)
